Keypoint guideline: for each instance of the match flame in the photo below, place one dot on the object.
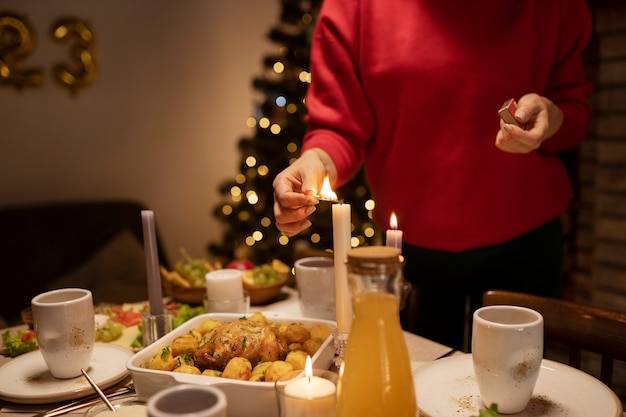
(393, 221)
(326, 192)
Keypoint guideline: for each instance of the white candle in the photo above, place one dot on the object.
(341, 246)
(310, 396)
(394, 236)
(224, 284)
(155, 292)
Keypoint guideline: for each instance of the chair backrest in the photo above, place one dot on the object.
(42, 242)
(579, 326)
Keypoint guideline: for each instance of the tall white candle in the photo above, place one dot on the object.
(224, 284)
(310, 396)
(394, 235)
(155, 292)
(341, 246)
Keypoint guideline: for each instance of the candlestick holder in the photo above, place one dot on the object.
(238, 305)
(155, 326)
(340, 340)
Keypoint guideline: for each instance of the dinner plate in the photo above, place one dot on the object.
(26, 379)
(447, 387)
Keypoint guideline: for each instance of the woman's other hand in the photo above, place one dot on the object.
(540, 119)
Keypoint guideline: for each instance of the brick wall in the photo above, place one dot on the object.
(597, 219)
(596, 222)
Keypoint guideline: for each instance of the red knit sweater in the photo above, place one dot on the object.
(412, 88)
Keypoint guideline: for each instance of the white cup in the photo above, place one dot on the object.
(507, 349)
(186, 400)
(315, 280)
(65, 325)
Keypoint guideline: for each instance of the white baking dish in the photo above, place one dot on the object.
(245, 398)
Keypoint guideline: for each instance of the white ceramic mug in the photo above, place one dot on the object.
(186, 400)
(315, 280)
(65, 325)
(507, 349)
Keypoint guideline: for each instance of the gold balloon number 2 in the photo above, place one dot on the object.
(18, 41)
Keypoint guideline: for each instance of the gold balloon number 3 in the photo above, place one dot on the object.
(18, 41)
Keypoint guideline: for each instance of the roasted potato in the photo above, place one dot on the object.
(320, 331)
(184, 359)
(258, 317)
(260, 368)
(297, 359)
(238, 368)
(188, 369)
(162, 361)
(297, 333)
(312, 345)
(276, 370)
(185, 344)
(211, 372)
(208, 325)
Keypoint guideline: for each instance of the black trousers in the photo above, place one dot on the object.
(448, 286)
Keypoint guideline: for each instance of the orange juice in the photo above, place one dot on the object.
(375, 377)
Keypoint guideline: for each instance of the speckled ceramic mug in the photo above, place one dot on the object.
(315, 280)
(507, 349)
(65, 327)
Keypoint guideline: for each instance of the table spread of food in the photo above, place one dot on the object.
(185, 285)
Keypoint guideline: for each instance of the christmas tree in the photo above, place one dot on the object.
(278, 128)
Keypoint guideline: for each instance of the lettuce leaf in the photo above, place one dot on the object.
(492, 411)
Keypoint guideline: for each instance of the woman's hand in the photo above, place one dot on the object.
(296, 187)
(540, 119)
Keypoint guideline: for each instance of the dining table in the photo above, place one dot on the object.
(422, 352)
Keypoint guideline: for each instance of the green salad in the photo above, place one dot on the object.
(181, 315)
(15, 344)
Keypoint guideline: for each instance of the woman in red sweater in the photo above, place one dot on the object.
(411, 89)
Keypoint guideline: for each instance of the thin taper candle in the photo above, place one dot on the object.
(341, 245)
(155, 292)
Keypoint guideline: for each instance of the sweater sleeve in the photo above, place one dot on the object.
(567, 86)
(340, 117)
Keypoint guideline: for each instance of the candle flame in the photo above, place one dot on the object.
(326, 192)
(308, 369)
(393, 221)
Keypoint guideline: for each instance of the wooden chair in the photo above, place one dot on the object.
(578, 326)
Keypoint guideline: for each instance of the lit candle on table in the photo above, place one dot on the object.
(341, 245)
(155, 292)
(394, 236)
(310, 396)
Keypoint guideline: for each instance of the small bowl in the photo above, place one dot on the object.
(140, 408)
(262, 294)
(27, 317)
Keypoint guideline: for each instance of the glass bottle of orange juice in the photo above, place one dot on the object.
(375, 377)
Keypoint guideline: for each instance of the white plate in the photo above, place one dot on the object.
(26, 379)
(447, 387)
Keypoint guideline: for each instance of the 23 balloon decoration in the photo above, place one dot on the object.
(18, 41)
(84, 70)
